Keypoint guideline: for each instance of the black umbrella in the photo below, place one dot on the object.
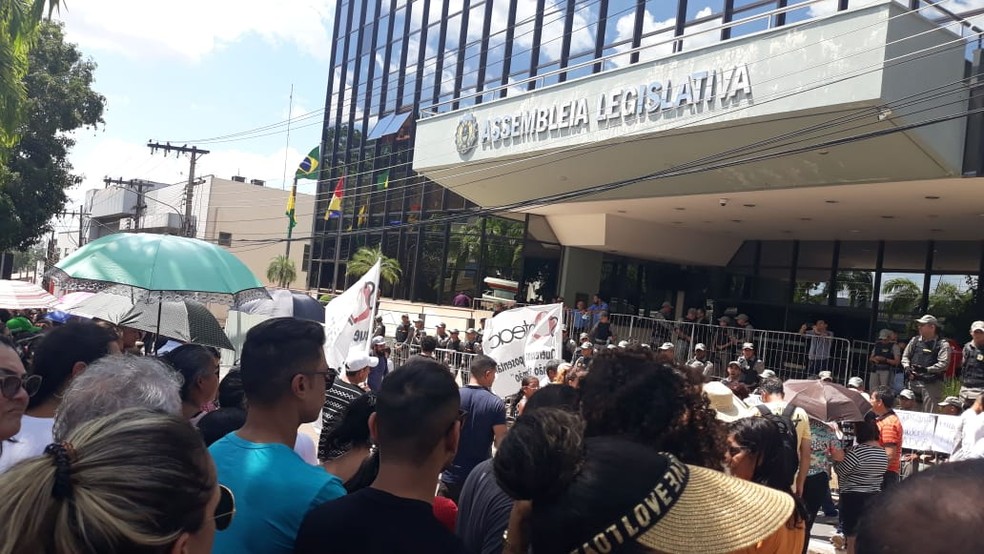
(185, 321)
(285, 303)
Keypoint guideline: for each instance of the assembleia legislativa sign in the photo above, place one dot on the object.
(623, 105)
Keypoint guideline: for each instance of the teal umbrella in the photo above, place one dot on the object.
(159, 268)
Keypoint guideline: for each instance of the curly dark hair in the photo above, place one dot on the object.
(628, 393)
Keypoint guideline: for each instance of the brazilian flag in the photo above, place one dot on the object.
(308, 169)
(291, 220)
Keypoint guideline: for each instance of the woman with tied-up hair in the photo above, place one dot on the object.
(134, 482)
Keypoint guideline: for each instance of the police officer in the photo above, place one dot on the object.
(885, 359)
(442, 335)
(972, 374)
(925, 359)
(402, 334)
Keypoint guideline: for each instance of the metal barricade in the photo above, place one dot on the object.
(790, 355)
(860, 352)
(458, 362)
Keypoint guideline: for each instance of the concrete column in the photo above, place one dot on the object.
(580, 272)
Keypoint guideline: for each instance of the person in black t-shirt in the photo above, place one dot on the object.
(402, 330)
(416, 426)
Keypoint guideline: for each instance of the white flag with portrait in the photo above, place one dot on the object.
(522, 341)
(348, 319)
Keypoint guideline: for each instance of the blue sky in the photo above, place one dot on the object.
(182, 71)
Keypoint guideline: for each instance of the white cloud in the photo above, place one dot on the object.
(192, 29)
(660, 45)
(828, 7)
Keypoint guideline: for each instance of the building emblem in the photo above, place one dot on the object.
(466, 135)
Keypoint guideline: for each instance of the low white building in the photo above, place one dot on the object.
(249, 219)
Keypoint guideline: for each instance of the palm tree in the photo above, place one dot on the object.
(19, 22)
(281, 271)
(366, 257)
(858, 285)
(905, 296)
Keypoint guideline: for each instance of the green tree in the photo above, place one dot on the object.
(27, 260)
(904, 296)
(34, 178)
(19, 22)
(364, 258)
(281, 271)
(859, 286)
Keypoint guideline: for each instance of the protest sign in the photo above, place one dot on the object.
(348, 319)
(522, 341)
(917, 429)
(945, 436)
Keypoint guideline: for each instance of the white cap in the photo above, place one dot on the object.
(623, 344)
(906, 393)
(586, 344)
(584, 335)
(748, 345)
(855, 382)
(357, 361)
(666, 346)
(928, 319)
(700, 346)
(377, 340)
(767, 373)
(825, 376)
(977, 326)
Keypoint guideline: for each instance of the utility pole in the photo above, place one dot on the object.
(132, 183)
(195, 153)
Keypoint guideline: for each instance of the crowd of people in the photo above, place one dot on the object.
(622, 450)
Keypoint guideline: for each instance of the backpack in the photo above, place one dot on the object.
(788, 458)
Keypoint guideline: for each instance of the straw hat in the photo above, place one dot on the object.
(724, 402)
(694, 509)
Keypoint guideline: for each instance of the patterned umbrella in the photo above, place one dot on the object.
(21, 295)
(107, 306)
(157, 268)
(185, 321)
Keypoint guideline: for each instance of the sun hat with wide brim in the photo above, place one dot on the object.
(727, 406)
(694, 509)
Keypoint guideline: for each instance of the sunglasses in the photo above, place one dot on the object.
(10, 385)
(328, 375)
(460, 418)
(225, 509)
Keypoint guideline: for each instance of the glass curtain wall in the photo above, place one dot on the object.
(393, 61)
(858, 286)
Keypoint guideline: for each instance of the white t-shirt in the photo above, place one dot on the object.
(304, 446)
(35, 434)
(970, 432)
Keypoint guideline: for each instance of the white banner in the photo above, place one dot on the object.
(348, 319)
(917, 429)
(945, 436)
(522, 341)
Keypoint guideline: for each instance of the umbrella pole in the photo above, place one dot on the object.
(160, 305)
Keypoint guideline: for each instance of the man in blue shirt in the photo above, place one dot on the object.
(597, 307)
(285, 377)
(485, 424)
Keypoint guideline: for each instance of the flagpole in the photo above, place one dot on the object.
(290, 226)
(290, 108)
(338, 253)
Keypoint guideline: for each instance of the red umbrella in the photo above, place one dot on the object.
(825, 400)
